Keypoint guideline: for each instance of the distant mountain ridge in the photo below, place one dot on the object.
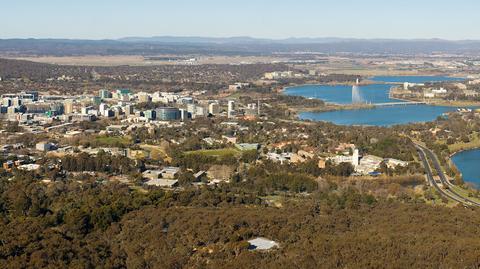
(194, 39)
(232, 40)
(291, 40)
(233, 46)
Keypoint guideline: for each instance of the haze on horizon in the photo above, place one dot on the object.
(110, 19)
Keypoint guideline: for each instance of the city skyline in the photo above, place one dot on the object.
(267, 19)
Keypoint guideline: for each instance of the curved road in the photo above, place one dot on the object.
(447, 191)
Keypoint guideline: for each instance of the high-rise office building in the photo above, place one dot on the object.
(105, 94)
(355, 158)
(68, 106)
(213, 108)
(7, 102)
(102, 108)
(143, 97)
(17, 102)
(168, 113)
(128, 110)
(96, 100)
(86, 109)
(150, 114)
(183, 114)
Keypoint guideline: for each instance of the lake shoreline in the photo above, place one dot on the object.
(338, 100)
(451, 159)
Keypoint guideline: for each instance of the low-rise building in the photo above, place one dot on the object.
(170, 172)
(44, 146)
(282, 158)
(247, 146)
(341, 159)
(229, 139)
(392, 163)
(199, 175)
(237, 86)
(8, 165)
(162, 182)
(261, 243)
(368, 164)
(29, 167)
(70, 134)
(166, 173)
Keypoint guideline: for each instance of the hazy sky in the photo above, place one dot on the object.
(98, 19)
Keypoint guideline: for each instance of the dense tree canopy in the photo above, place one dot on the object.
(90, 225)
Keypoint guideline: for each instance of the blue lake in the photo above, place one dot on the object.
(468, 163)
(342, 94)
(372, 94)
(380, 116)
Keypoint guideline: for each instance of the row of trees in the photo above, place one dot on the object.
(102, 162)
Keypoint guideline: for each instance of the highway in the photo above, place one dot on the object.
(446, 190)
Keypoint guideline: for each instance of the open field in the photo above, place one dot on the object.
(454, 103)
(367, 72)
(92, 60)
(112, 141)
(440, 102)
(135, 60)
(474, 143)
(466, 193)
(216, 152)
(156, 152)
(437, 199)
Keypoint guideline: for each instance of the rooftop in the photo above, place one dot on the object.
(261, 243)
(29, 167)
(247, 146)
(161, 182)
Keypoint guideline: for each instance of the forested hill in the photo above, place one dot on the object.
(95, 225)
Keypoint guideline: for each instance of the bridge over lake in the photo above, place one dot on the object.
(399, 104)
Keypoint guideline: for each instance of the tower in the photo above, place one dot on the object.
(355, 158)
(231, 109)
(103, 107)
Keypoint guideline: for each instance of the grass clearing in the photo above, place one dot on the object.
(438, 200)
(275, 200)
(474, 143)
(113, 141)
(156, 152)
(216, 152)
(465, 193)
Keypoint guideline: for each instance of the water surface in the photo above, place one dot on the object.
(380, 116)
(342, 94)
(370, 94)
(468, 162)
